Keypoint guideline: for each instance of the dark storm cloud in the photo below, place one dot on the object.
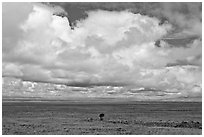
(178, 42)
(84, 84)
(195, 61)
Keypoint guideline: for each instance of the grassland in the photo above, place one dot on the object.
(80, 118)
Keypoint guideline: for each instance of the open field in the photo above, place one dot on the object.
(62, 117)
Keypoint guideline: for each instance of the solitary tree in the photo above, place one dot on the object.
(101, 116)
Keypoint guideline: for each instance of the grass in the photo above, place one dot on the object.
(135, 118)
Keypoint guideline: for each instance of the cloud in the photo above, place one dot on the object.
(113, 57)
(187, 16)
(10, 69)
(11, 19)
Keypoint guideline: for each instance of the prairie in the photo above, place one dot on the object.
(81, 118)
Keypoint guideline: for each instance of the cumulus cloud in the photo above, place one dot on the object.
(185, 16)
(112, 51)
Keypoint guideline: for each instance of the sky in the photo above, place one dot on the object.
(139, 51)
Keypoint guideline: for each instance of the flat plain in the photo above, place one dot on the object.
(81, 118)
